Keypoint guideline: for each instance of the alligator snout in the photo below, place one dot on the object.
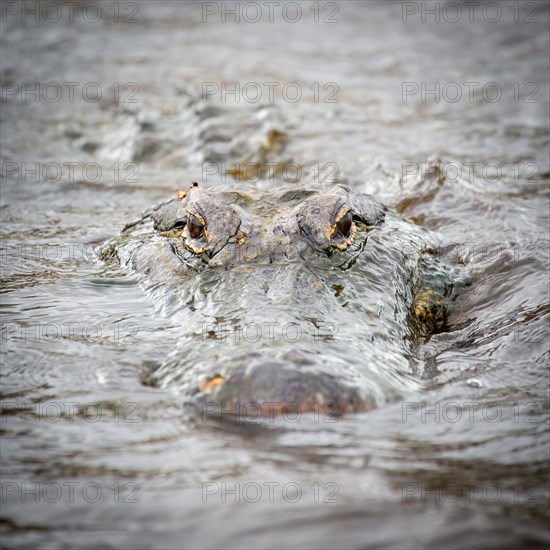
(267, 388)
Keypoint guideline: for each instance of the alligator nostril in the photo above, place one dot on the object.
(273, 387)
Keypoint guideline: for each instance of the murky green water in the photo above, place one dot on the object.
(91, 457)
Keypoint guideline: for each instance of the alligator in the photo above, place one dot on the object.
(305, 299)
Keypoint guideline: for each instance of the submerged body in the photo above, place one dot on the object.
(304, 299)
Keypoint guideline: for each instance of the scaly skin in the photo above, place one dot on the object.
(355, 278)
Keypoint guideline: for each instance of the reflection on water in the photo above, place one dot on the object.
(93, 457)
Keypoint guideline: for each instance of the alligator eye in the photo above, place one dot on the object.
(344, 225)
(195, 228)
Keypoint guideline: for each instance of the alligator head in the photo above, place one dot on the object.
(292, 301)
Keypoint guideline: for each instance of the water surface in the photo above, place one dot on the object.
(463, 463)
